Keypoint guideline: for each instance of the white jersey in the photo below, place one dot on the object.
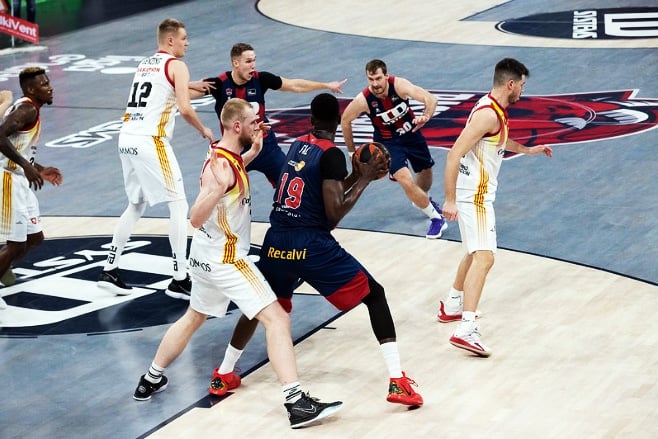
(25, 141)
(478, 169)
(218, 264)
(225, 237)
(152, 101)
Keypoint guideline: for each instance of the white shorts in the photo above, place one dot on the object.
(214, 286)
(20, 209)
(150, 169)
(477, 226)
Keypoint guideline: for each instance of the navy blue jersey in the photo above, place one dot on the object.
(391, 116)
(253, 91)
(298, 200)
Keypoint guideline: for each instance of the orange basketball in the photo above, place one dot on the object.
(374, 149)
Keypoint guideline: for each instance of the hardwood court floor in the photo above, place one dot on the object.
(571, 357)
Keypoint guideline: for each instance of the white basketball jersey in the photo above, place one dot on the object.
(478, 169)
(226, 234)
(152, 101)
(25, 141)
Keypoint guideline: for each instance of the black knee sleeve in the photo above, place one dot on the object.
(380, 315)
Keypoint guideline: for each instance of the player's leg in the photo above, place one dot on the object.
(302, 409)
(477, 228)
(172, 345)
(180, 287)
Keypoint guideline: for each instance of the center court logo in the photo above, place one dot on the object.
(534, 120)
(56, 291)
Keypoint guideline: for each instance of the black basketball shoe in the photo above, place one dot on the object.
(145, 388)
(308, 409)
(111, 281)
(180, 289)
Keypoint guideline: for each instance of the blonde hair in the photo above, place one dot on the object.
(234, 109)
(169, 26)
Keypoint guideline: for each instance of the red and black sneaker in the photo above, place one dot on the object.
(400, 391)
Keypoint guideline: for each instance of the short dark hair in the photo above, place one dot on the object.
(239, 48)
(375, 64)
(325, 108)
(28, 74)
(509, 68)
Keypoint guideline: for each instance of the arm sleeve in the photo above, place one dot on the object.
(332, 165)
(269, 80)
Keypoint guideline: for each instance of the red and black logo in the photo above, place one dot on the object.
(534, 120)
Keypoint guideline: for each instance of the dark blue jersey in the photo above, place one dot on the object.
(252, 91)
(298, 200)
(391, 116)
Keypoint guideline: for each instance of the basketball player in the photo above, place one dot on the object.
(244, 81)
(150, 170)
(313, 194)
(20, 222)
(222, 272)
(471, 173)
(386, 102)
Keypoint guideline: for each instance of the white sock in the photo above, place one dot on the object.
(467, 324)
(454, 301)
(231, 357)
(430, 211)
(154, 374)
(292, 392)
(178, 237)
(392, 358)
(122, 232)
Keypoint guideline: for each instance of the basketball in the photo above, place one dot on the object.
(374, 149)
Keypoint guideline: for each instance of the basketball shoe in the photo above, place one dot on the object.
(180, 289)
(446, 317)
(145, 388)
(307, 409)
(437, 225)
(470, 341)
(111, 281)
(222, 383)
(400, 391)
(9, 278)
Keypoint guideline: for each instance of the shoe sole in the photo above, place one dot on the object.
(323, 414)
(410, 404)
(177, 295)
(109, 286)
(440, 234)
(478, 352)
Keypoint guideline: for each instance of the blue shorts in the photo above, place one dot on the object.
(410, 149)
(314, 256)
(270, 160)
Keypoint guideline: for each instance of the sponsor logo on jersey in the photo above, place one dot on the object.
(587, 24)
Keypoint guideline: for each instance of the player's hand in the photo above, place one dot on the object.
(207, 133)
(52, 175)
(450, 210)
(547, 150)
(372, 169)
(201, 86)
(419, 121)
(335, 86)
(33, 176)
